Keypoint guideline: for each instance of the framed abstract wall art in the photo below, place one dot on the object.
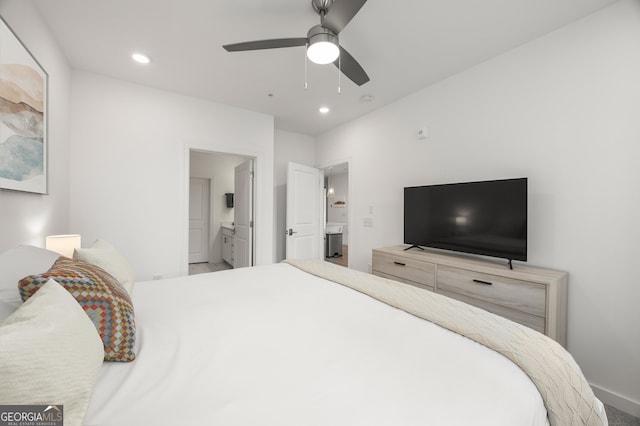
(23, 116)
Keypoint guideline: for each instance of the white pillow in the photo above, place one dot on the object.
(105, 256)
(50, 353)
(19, 262)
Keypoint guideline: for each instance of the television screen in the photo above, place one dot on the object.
(487, 218)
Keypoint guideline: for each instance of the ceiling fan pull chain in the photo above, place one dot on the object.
(339, 72)
(306, 86)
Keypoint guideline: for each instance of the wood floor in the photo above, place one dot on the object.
(342, 260)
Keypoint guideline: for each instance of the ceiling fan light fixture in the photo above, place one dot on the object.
(323, 48)
(321, 41)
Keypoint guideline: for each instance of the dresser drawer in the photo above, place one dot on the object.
(532, 321)
(515, 294)
(402, 280)
(404, 269)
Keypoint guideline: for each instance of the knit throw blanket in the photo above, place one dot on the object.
(566, 394)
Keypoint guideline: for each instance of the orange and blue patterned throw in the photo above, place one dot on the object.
(101, 296)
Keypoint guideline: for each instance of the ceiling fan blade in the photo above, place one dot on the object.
(351, 68)
(275, 43)
(341, 13)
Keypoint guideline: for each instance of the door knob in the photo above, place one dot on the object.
(290, 232)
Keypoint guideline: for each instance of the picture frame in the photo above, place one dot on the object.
(23, 116)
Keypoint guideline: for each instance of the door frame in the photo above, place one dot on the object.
(263, 205)
(350, 193)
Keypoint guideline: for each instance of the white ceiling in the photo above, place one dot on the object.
(403, 45)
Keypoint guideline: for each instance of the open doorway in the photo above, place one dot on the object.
(214, 198)
(336, 247)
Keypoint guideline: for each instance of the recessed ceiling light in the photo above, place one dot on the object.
(323, 110)
(140, 58)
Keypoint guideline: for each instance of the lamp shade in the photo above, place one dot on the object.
(63, 244)
(323, 47)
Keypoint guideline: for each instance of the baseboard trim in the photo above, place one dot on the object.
(618, 401)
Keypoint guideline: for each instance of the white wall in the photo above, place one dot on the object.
(220, 169)
(27, 218)
(563, 111)
(129, 167)
(295, 148)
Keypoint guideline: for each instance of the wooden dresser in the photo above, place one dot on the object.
(535, 297)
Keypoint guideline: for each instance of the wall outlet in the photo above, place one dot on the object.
(367, 222)
(157, 276)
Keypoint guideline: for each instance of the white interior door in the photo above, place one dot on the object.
(243, 215)
(199, 198)
(304, 212)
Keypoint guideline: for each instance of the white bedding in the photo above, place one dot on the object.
(273, 345)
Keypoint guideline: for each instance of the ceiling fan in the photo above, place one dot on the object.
(321, 40)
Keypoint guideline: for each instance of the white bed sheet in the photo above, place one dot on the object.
(273, 345)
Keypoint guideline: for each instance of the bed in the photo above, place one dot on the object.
(311, 343)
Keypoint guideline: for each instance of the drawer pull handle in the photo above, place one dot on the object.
(400, 263)
(482, 282)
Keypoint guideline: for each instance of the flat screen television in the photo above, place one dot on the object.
(486, 218)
